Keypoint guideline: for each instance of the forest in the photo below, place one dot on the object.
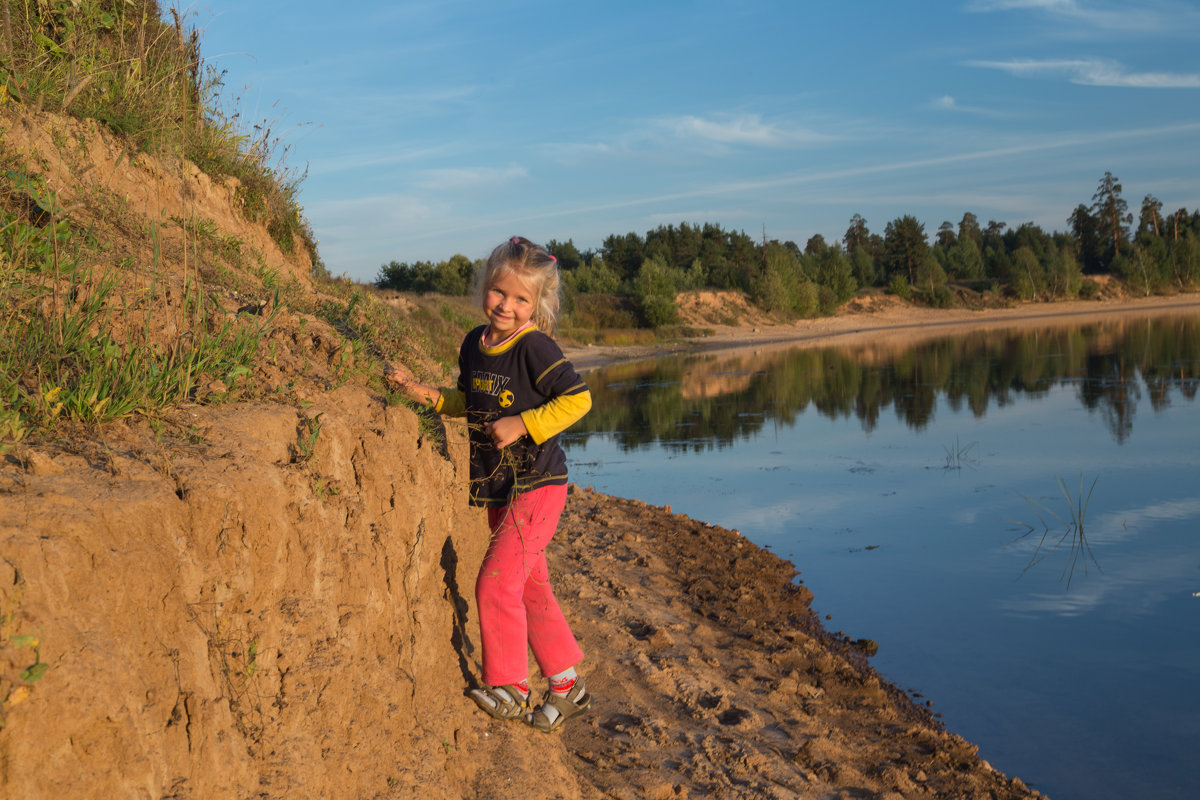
(632, 280)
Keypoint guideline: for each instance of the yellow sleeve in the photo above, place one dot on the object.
(451, 402)
(556, 415)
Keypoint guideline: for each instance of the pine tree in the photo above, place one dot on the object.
(1111, 213)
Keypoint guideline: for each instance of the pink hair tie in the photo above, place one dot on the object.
(516, 240)
(553, 257)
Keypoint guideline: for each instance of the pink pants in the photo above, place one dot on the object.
(517, 608)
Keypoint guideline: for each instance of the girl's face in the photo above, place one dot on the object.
(508, 304)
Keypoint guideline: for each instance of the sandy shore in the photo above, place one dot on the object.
(899, 321)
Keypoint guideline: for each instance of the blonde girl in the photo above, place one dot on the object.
(518, 394)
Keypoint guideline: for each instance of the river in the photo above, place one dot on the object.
(1012, 515)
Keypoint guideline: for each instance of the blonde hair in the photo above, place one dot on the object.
(535, 267)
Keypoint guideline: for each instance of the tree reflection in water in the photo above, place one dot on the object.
(703, 402)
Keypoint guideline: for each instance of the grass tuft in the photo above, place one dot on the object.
(958, 456)
(1073, 528)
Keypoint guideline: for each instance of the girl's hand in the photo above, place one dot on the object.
(406, 381)
(400, 375)
(505, 430)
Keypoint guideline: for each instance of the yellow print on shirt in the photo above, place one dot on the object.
(490, 383)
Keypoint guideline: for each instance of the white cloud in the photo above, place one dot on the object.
(697, 217)
(1128, 523)
(1094, 72)
(689, 132)
(341, 224)
(384, 207)
(1136, 583)
(1057, 6)
(745, 129)
(753, 186)
(574, 153)
(948, 103)
(391, 107)
(461, 178)
(376, 159)
(1132, 586)
(1139, 17)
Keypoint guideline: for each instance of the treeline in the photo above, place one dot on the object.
(1160, 254)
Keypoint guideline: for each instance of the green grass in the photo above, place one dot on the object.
(74, 345)
(83, 337)
(306, 439)
(87, 333)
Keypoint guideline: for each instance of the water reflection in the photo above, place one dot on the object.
(892, 479)
(709, 401)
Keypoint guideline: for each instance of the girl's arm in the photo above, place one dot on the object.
(503, 431)
(556, 415)
(444, 401)
(569, 399)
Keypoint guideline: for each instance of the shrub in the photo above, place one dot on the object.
(595, 277)
(900, 287)
(654, 291)
(941, 297)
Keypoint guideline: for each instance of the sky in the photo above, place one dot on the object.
(426, 129)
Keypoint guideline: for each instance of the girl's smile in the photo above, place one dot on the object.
(508, 304)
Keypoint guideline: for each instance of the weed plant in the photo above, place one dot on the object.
(1072, 526)
(375, 333)
(234, 650)
(958, 456)
(21, 664)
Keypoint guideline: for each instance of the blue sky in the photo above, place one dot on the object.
(435, 128)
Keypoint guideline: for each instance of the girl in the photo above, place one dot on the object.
(518, 393)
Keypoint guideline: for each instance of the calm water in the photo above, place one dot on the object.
(912, 489)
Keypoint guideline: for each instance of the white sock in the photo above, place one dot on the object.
(561, 684)
(564, 682)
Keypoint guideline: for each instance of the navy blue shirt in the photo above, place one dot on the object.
(520, 374)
